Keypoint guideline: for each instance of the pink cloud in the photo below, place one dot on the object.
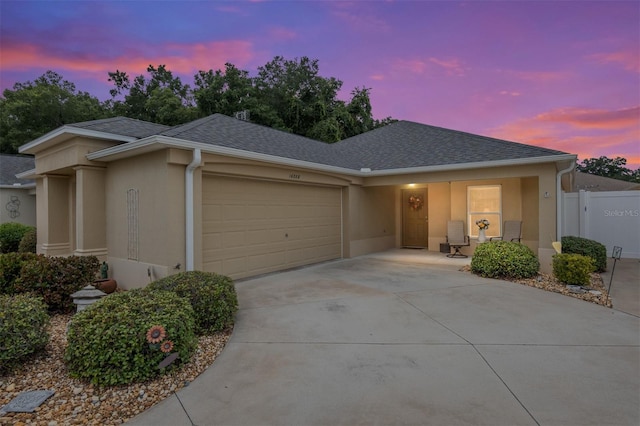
(414, 66)
(629, 59)
(587, 133)
(452, 66)
(509, 93)
(179, 58)
(585, 118)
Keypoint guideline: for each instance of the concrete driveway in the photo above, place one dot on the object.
(397, 338)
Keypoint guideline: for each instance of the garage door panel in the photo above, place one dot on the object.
(252, 227)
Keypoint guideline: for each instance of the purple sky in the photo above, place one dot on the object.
(559, 74)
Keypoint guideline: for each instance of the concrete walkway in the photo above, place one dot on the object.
(397, 339)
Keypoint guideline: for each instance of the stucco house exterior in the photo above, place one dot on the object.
(228, 196)
(17, 195)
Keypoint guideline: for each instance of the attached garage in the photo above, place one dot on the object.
(255, 226)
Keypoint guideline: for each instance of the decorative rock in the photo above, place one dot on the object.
(596, 292)
(77, 391)
(11, 387)
(575, 289)
(27, 402)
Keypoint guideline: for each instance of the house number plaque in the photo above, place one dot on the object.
(294, 176)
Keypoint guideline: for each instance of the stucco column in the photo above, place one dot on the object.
(547, 220)
(91, 222)
(52, 198)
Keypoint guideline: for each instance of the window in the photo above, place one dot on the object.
(485, 202)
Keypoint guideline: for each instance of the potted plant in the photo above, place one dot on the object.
(106, 284)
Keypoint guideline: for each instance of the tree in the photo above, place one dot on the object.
(611, 168)
(288, 95)
(33, 108)
(162, 98)
(224, 92)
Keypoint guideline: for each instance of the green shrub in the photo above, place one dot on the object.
(29, 241)
(574, 269)
(10, 235)
(56, 278)
(10, 267)
(107, 342)
(23, 322)
(586, 247)
(212, 296)
(504, 259)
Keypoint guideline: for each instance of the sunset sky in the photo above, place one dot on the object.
(559, 74)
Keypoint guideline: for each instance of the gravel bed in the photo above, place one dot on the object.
(550, 283)
(77, 402)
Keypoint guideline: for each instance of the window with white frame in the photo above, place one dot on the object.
(485, 202)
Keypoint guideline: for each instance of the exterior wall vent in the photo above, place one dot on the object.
(243, 115)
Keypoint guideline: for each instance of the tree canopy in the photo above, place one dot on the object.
(609, 167)
(290, 95)
(33, 108)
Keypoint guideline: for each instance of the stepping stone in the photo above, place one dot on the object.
(27, 402)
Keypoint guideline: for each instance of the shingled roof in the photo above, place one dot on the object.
(406, 144)
(400, 145)
(123, 126)
(11, 165)
(225, 131)
(403, 144)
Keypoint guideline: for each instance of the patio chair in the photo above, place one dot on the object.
(456, 237)
(512, 231)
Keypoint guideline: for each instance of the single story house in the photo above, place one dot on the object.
(225, 195)
(17, 195)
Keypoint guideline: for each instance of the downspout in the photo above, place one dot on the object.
(559, 199)
(189, 209)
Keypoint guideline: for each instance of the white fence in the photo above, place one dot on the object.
(611, 218)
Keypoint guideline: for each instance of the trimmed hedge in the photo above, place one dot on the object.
(212, 296)
(504, 259)
(573, 269)
(10, 268)
(29, 241)
(108, 345)
(586, 247)
(11, 234)
(56, 278)
(23, 322)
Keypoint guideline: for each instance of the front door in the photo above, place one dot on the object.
(415, 220)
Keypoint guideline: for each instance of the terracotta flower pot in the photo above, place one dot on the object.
(108, 285)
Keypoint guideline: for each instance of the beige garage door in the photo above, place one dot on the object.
(252, 227)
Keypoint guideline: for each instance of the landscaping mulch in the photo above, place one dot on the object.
(77, 402)
(550, 283)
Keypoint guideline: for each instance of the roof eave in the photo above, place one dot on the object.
(27, 174)
(42, 142)
(473, 165)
